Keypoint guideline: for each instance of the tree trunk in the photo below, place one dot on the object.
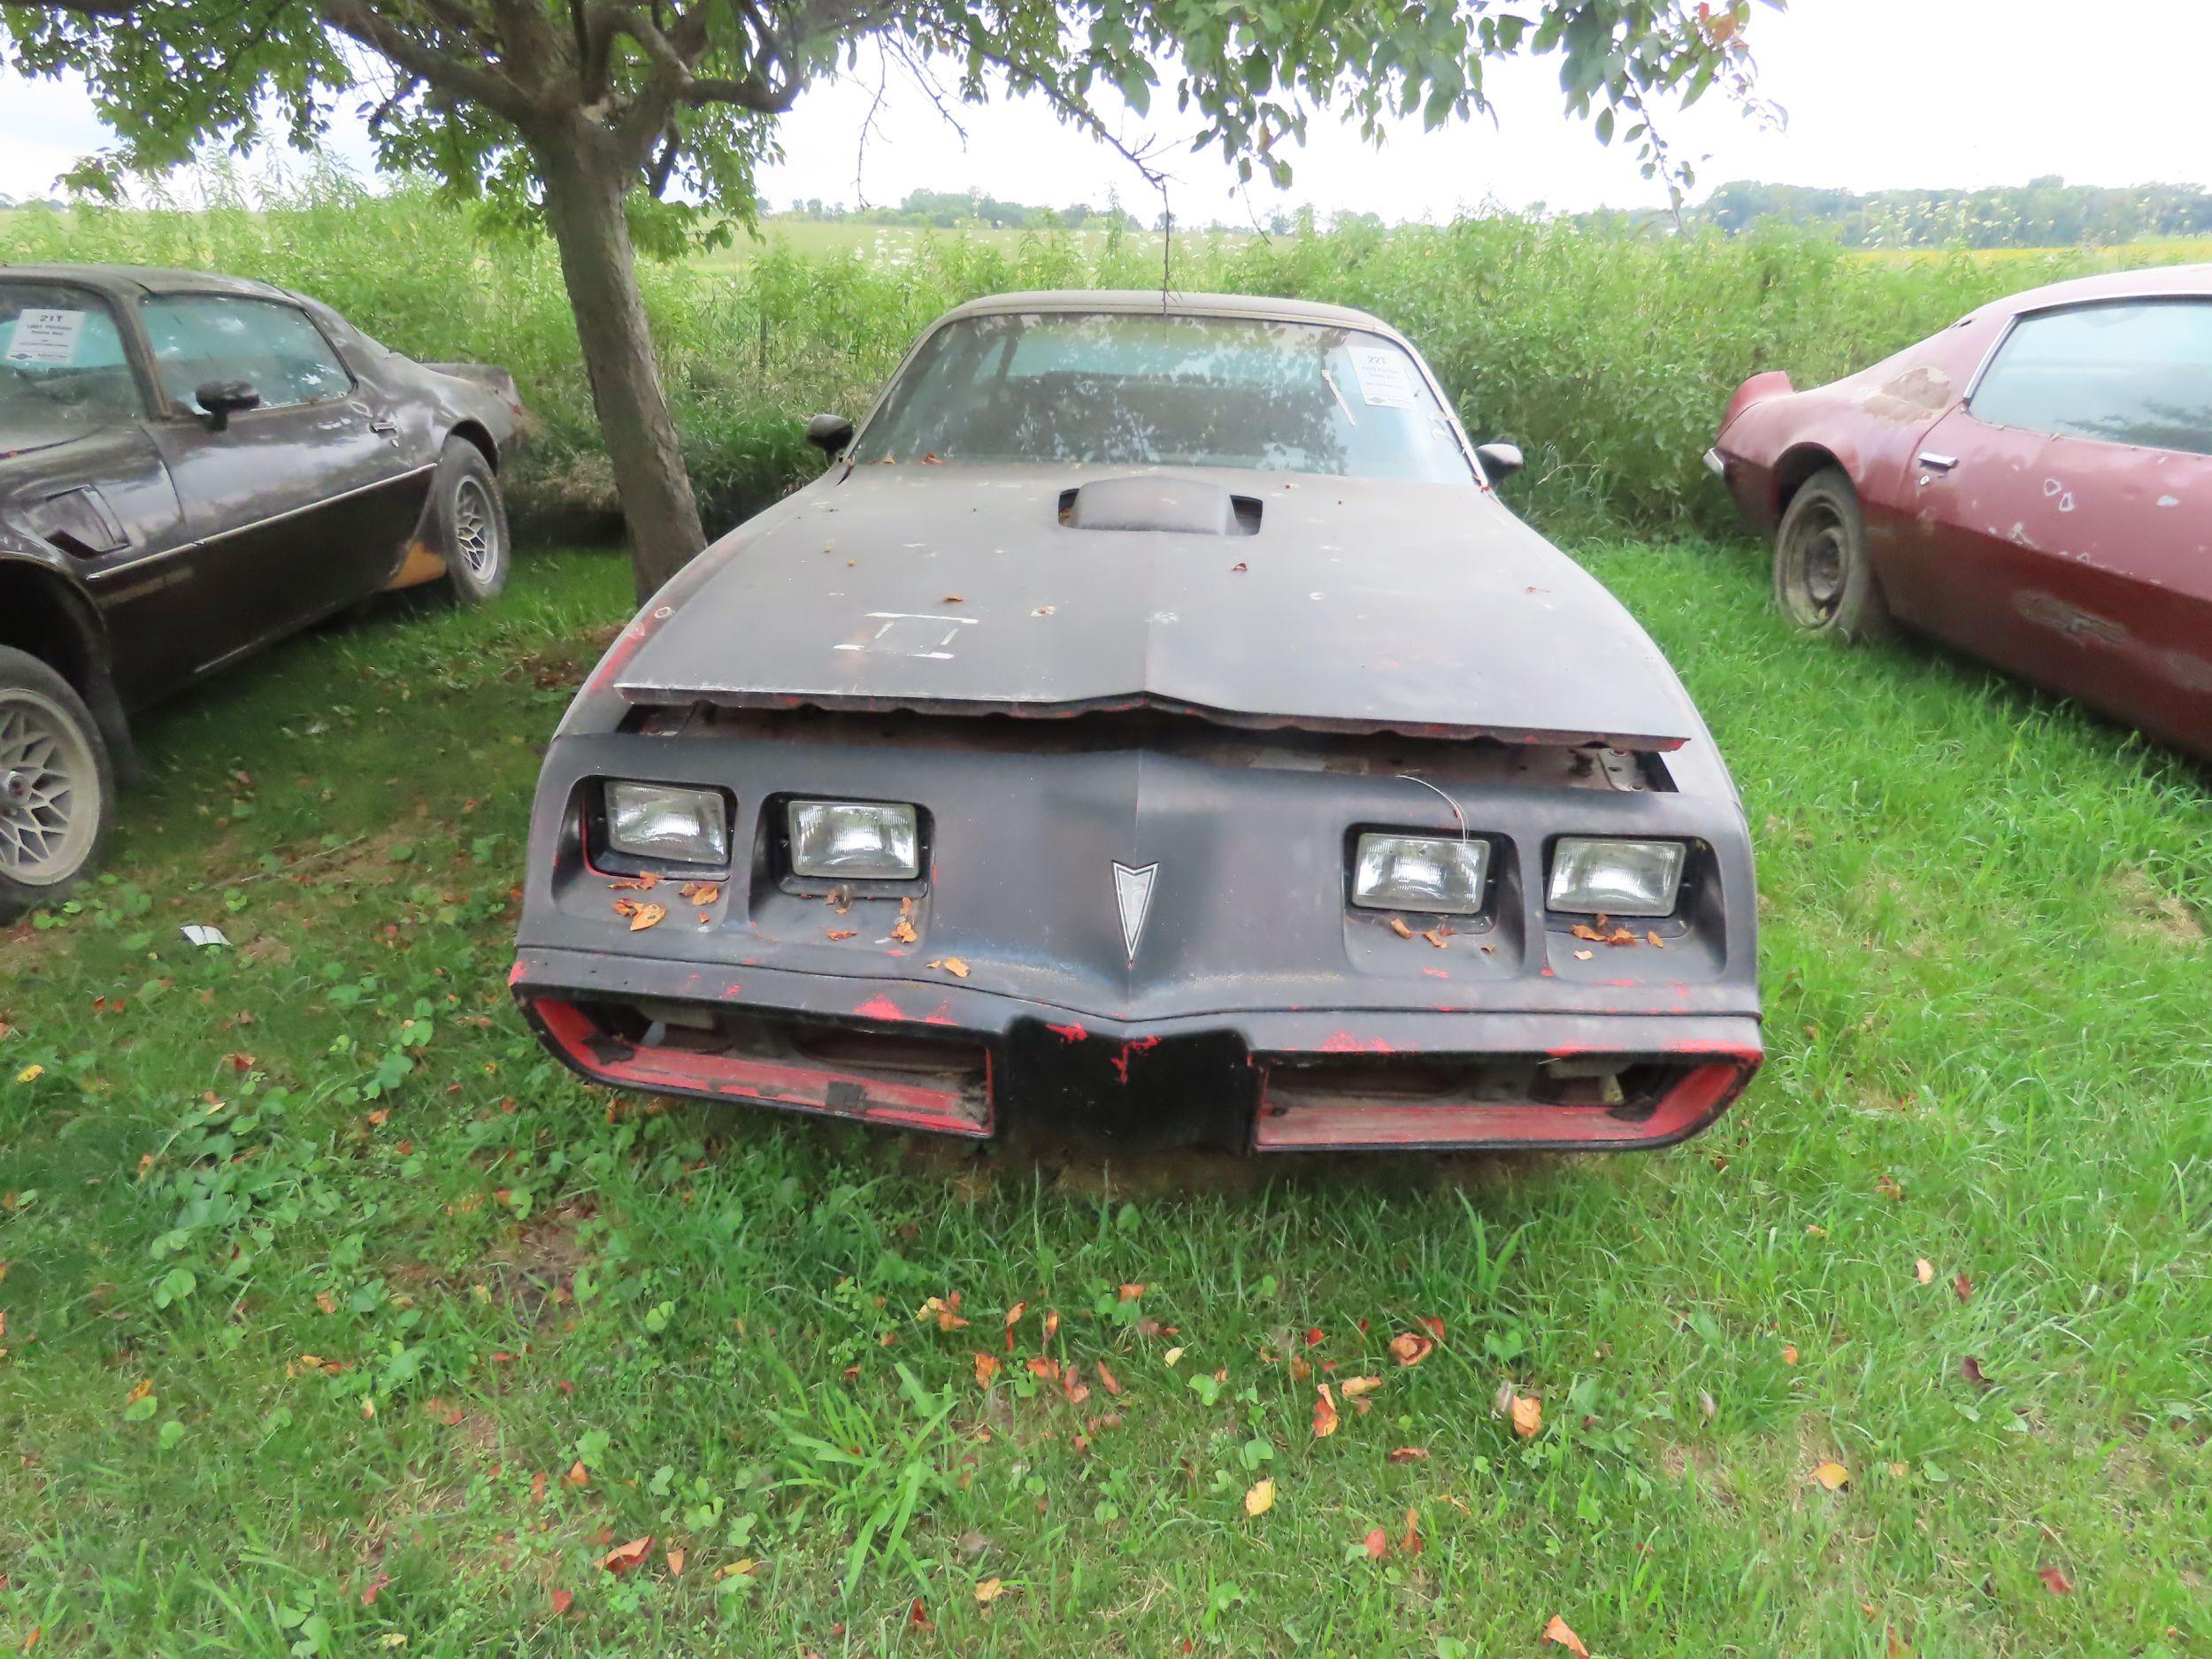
(583, 205)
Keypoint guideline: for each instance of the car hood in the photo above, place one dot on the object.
(1356, 604)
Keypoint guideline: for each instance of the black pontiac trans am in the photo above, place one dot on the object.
(191, 467)
(1151, 726)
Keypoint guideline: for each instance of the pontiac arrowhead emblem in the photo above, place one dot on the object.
(1132, 893)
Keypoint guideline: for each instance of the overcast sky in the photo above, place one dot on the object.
(1880, 94)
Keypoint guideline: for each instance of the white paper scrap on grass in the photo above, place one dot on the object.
(1385, 377)
(200, 934)
(45, 336)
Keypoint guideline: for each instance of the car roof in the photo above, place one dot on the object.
(126, 280)
(2168, 281)
(1173, 303)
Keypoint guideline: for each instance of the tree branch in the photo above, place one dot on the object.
(442, 71)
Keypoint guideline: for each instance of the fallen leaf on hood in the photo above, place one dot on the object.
(1261, 1498)
(985, 1369)
(634, 884)
(2055, 1580)
(953, 966)
(1655, 941)
(1107, 1379)
(1239, 568)
(622, 1557)
(1527, 1412)
(675, 1559)
(701, 893)
(932, 460)
(1377, 1544)
(1353, 1388)
(1441, 937)
(954, 599)
(1410, 1347)
(1964, 1287)
(1324, 1414)
(1408, 1455)
(1583, 930)
(904, 932)
(562, 1600)
(1584, 955)
(990, 1590)
(1970, 1369)
(1923, 1269)
(1832, 1476)
(1399, 927)
(1561, 1634)
(844, 933)
(646, 916)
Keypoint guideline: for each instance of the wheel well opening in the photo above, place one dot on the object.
(476, 435)
(40, 617)
(1794, 468)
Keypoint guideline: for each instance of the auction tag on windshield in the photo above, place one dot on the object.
(1384, 376)
(45, 337)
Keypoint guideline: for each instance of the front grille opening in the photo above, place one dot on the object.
(1627, 1085)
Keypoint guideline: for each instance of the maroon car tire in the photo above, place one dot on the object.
(57, 786)
(1823, 580)
(471, 523)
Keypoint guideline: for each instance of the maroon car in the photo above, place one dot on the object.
(2033, 486)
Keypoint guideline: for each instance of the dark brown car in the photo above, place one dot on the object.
(192, 467)
(2034, 485)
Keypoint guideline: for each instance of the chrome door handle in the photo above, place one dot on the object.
(1936, 463)
(384, 425)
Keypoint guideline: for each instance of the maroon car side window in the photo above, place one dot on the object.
(2135, 372)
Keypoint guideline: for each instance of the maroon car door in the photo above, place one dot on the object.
(296, 506)
(2064, 512)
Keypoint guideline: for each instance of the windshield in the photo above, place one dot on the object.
(1122, 388)
(62, 368)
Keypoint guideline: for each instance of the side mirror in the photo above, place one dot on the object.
(829, 434)
(222, 399)
(1500, 461)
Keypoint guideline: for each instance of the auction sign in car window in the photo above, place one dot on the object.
(61, 361)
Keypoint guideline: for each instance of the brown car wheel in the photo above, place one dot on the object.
(471, 523)
(1822, 580)
(57, 786)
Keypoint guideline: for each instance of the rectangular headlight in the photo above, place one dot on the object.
(1616, 878)
(854, 841)
(1414, 873)
(658, 821)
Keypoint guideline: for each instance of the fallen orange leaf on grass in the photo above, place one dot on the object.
(1409, 1454)
(945, 1309)
(1561, 1634)
(2055, 1580)
(1528, 1415)
(1377, 1544)
(622, 1557)
(1353, 1388)
(562, 1600)
(986, 1368)
(145, 1384)
(676, 1559)
(1325, 1417)
(1045, 1366)
(1409, 1348)
(1130, 1293)
(1832, 1477)
(1261, 1498)
(577, 1475)
(1411, 1541)
(1107, 1379)
(919, 1616)
(1923, 1269)
(538, 1484)
(990, 1590)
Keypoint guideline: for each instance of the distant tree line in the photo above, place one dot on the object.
(2044, 212)
(945, 209)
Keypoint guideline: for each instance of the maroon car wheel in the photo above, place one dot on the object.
(55, 785)
(1822, 580)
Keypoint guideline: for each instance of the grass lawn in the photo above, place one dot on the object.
(339, 1321)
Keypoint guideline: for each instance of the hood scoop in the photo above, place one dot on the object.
(1154, 501)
